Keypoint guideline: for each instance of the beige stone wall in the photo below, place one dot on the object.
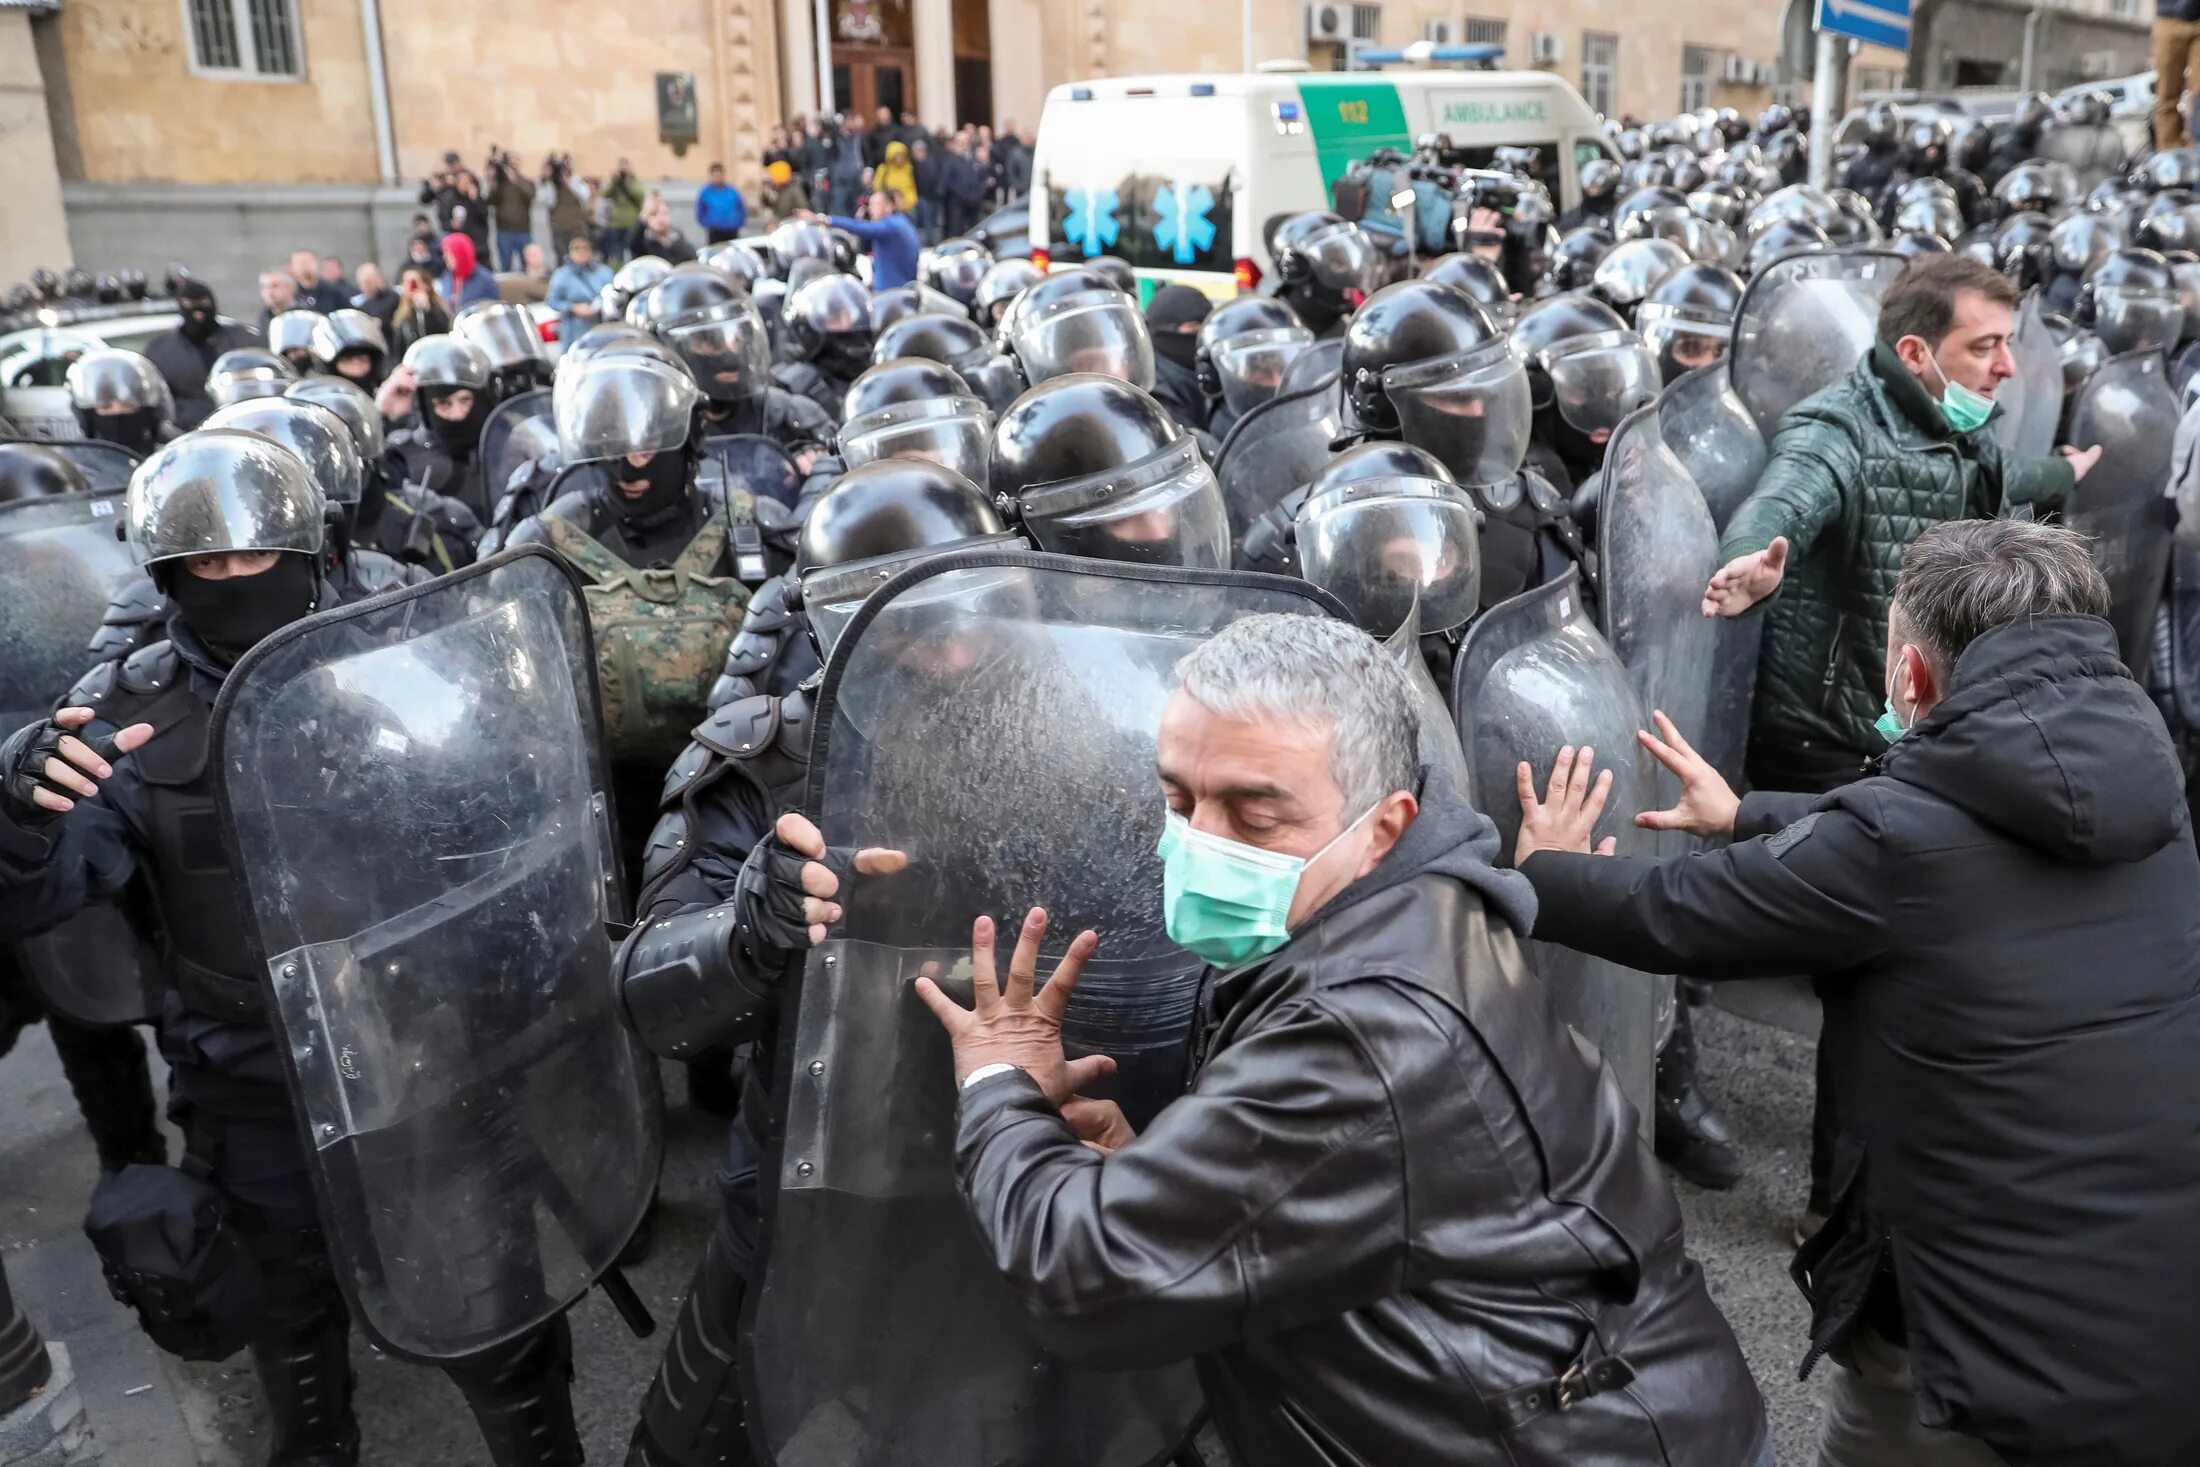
(142, 115)
(36, 234)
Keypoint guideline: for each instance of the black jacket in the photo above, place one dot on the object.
(2005, 923)
(184, 363)
(1398, 1203)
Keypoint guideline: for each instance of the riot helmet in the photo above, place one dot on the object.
(1929, 214)
(452, 375)
(963, 345)
(738, 261)
(47, 283)
(1003, 281)
(1972, 146)
(913, 407)
(635, 416)
(1074, 321)
(2169, 168)
(2020, 247)
(2082, 241)
(1925, 144)
(1092, 465)
(1881, 126)
(1586, 372)
(1480, 281)
(956, 267)
(800, 239)
(1777, 118)
(1781, 238)
(1798, 203)
(322, 441)
(876, 521)
(1262, 336)
(1599, 180)
(1573, 264)
(246, 372)
(1627, 274)
(1638, 206)
(2033, 186)
(31, 470)
(2088, 109)
(1724, 204)
(828, 323)
(900, 302)
(219, 490)
(2170, 221)
(1917, 246)
(1385, 530)
(596, 339)
(1783, 153)
(1325, 267)
(349, 402)
(120, 397)
(713, 328)
(805, 270)
(1422, 362)
(133, 282)
(1687, 319)
(290, 336)
(1115, 270)
(635, 276)
(1854, 223)
(2130, 301)
(351, 344)
(506, 335)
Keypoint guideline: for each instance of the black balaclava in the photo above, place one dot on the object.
(456, 436)
(845, 355)
(667, 476)
(138, 430)
(1172, 307)
(200, 321)
(232, 615)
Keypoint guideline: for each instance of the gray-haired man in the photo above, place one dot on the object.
(1402, 1216)
(2004, 917)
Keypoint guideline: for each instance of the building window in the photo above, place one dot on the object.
(1600, 71)
(245, 38)
(1367, 22)
(1695, 77)
(1484, 32)
(2127, 9)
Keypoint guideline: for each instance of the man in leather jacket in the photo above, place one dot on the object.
(1391, 1136)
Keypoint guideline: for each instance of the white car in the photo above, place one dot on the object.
(34, 361)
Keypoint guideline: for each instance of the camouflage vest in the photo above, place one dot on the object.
(661, 636)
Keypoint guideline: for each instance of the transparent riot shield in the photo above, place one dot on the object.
(2093, 152)
(106, 467)
(412, 789)
(2122, 504)
(1533, 676)
(755, 463)
(60, 561)
(1279, 445)
(1804, 322)
(993, 714)
(1439, 738)
(1710, 430)
(2031, 402)
(519, 431)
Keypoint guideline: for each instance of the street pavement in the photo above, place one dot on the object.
(148, 1410)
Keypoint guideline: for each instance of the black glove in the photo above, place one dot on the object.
(23, 760)
(768, 896)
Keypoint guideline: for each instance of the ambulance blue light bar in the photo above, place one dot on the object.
(1383, 55)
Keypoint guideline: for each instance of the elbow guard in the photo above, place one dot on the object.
(685, 987)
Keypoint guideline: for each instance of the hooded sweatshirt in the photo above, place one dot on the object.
(465, 282)
(2004, 921)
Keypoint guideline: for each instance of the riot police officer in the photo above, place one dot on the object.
(290, 336)
(1881, 134)
(351, 345)
(1599, 192)
(246, 372)
(1244, 347)
(955, 268)
(506, 334)
(1325, 266)
(451, 379)
(1626, 275)
(964, 345)
(1687, 319)
(1586, 372)
(1076, 320)
(1575, 258)
(1001, 284)
(827, 328)
(230, 525)
(2019, 139)
(1173, 319)
(911, 407)
(406, 522)
(714, 330)
(2074, 246)
(120, 398)
(2130, 301)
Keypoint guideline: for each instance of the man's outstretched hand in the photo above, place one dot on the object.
(1021, 1024)
(1746, 580)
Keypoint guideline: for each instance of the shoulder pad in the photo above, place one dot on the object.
(741, 728)
(135, 602)
(667, 848)
(375, 572)
(1541, 493)
(693, 761)
(150, 668)
(91, 688)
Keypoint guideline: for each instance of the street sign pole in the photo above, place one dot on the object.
(1875, 22)
(1825, 91)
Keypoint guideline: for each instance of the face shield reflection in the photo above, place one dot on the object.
(1095, 331)
(730, 359)
(1474, 412)
(1252, 365)
(954, 431)
(1382, 546)
(1601, 380)
(1165, 511)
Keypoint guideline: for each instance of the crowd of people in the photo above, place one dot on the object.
(922, 596)
(946, 181)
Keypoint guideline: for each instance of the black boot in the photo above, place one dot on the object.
(713, 1084)
(693, 1416)
(522, 1398)
(113, 1085)
(1692, 1137)
(306, 1376)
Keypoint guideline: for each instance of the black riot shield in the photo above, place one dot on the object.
(106, 467)
(1804, 322)
(1284, 442)
(2031, 402)
(519, 431)
(992, 713)
(60, 560)
(755, 463)
(1533, 676)
(412, 789)
(2123, 503)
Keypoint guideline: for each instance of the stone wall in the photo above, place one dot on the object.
(34, 235)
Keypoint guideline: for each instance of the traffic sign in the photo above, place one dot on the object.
(1880, 22)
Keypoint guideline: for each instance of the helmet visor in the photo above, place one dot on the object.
(730, 359)
(623, 406)
(113, 381)
(954, 431)
(2130, 320)
(833, 594)
(1473, 411)
(1093, 331)
(1340, 258)
(1167, 510)
(1382, 545)
(1601, 381)
(1251, 365)
(506, 333)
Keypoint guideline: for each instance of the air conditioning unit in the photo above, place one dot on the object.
(1546, 48)
(2096, 64)
(1329, 23)
(1736, 69)
(1441, 32)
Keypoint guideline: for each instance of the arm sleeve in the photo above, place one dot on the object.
(866, 230)
(1766, 812)
(2027, 480)
(49, 873)
(1813, 462)
(1807, 899)
(1268, 1197)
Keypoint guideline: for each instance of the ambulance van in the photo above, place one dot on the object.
(1180, 174)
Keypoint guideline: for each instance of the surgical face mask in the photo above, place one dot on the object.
(1964, 409)
(1227, 902)
(1889, 723)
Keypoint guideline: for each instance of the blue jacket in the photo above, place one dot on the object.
(570, 286)
(893, 242)
(719, 206)
(480, 286)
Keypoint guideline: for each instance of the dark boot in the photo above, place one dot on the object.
(306, 1376)
(522, 1398)
(693, 1416)
(1692, 1137)
(113, 1085)
(713, 1085)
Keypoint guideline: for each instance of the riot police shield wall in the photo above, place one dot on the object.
(519, 431)
(1439, 736)
(2122, 504)
(484, 1126)
(1532, 676)
(106, 467)
(1278, 446)
(994, 715)
(1804, 322)
(2031, 402)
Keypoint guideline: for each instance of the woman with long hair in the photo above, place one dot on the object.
(420, 310)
